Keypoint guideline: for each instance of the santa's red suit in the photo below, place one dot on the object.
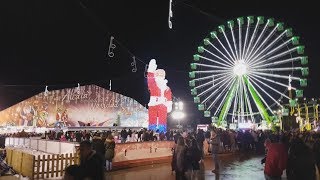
(160, 103)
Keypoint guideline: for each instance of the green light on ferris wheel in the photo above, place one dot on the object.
(240, 52)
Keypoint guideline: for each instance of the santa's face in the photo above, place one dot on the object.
(161, 83)
(160, 73)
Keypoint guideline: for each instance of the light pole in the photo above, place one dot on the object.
(178, 113)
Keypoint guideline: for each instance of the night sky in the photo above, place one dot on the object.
(62, 43)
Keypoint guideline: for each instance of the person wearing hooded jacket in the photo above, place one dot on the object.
(109, 154)
(179, 159)
(91, 165)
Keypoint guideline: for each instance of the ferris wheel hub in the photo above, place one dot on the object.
(240, 68)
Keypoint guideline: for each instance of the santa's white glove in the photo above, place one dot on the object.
(169, 106)
(152, 65)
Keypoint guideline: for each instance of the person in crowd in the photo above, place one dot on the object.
(207, 136)
(232, 138)
(124, 135)
(254, 144)
(151, 137)
(91, 165)
(162, 136)
(4, 167)
(239, 140)
(195, 157)
(261, 141)
(266, 145)
(67, 135)
(145, 135)
(130, 135)
(139, 135)
(133, 136)
(171, 135)
(188, 156)
(316, 151)
(98, 144)
(78, 136)
(247, 140)
(215, 144)
(59, 134)
(63, 138)
(72, 136)
(276, 160)
(87, 136)
(176, 137)
(200, 139)
(109, 151)
(167, 135)
(301, 162)
(179, 159)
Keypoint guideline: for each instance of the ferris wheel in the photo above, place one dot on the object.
(245, 68)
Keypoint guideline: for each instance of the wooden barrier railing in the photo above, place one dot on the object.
(40, 167)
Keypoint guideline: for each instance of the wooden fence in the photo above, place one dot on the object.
(40, 167)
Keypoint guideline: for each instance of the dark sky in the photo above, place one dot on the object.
(62, 43)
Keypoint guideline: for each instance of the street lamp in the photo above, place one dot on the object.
(176, 105)
(180, 106)
(178, 113)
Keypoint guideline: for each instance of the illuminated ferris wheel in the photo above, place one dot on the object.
(245, 67)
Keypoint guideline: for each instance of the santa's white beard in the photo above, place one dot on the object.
(162, 84)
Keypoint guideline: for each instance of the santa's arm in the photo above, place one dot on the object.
(151, 69)
(151, 80)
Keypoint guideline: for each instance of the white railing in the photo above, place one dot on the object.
(47, 146)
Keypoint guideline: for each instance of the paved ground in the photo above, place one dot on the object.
(234, 167)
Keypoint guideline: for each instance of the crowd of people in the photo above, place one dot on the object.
(95, 158)
(296, 153)
(293, 152)
(123, 136)
(22, 134)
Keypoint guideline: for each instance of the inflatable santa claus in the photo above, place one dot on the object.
(160, 97)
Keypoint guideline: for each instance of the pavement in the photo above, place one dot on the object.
(233, 167)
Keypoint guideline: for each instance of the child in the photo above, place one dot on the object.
(266, 145)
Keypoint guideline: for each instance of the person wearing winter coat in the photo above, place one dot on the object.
(98, 144)
(301, 162)
(200, 140)
(179, 159)
(193, 154)
(215, 144)
(109, 154)
(276, 160)
(91, 165)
